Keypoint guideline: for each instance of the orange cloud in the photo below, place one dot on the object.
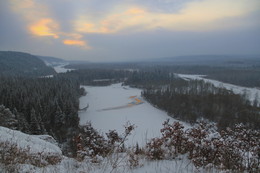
(76, 43)
(44, 27)
(37, 17)
(39, 21)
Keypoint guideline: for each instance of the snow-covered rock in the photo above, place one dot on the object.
(25, 141)
(19, 151)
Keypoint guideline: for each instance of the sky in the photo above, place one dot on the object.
(130, 30)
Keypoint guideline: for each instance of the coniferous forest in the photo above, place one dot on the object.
(42, 105)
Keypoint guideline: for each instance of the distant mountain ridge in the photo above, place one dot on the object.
(22, 64)
(238, 60)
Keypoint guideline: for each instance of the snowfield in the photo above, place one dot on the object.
(101, 100)
(251, 93)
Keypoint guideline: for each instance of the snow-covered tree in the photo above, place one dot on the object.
(7, 118)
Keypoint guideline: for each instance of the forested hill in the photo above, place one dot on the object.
(22, 64)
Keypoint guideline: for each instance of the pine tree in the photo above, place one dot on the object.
(34, 123)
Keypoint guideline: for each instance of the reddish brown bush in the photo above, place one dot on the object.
(237, 149)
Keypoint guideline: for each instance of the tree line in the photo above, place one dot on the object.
(97, 76)
(193, 100)
(196, 99)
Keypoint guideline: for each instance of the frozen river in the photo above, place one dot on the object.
(110, 109)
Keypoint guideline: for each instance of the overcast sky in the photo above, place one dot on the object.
(127, 30)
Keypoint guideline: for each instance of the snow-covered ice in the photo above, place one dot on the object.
(250, 92)
(61, 69)
(147, 119)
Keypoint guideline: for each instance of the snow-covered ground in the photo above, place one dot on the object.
(37, 148)
(147, 119)
(251, 93)
(61, 69)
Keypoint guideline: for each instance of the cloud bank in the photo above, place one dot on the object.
(111, 30)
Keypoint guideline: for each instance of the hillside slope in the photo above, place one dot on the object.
(22, 64)
(52, 61)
